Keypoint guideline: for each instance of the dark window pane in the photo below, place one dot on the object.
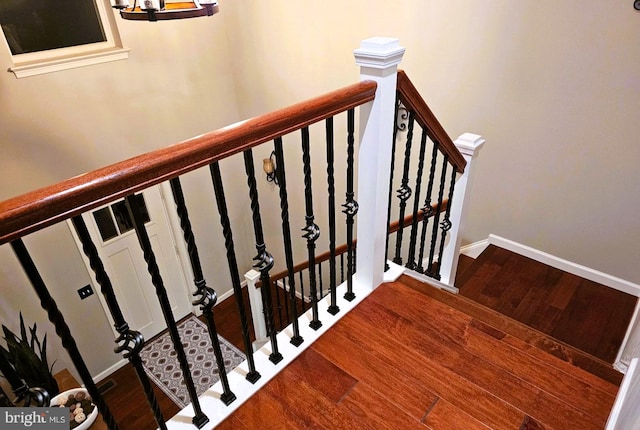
(105, 224)
(125, 223)
(39, 25)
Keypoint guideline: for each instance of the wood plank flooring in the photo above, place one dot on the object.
(404, 360)
(581, 313)
(470, 367)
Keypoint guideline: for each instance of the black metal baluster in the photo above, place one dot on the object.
(333, 306)
(264, 260)
(130, 342)
(286, 233)
(199, 419)
(304, 307)
(404, 192)
(253, 375)
(427, 210)
(274, 288)
(287, 305)
(399, 126)
(320, 280)
(62, 329)
(436, 220)
(351, 206)
(312, 231)
(342, 268)
(411, 258)
(206, 297)
(445, 225)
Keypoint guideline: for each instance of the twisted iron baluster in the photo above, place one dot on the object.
(333, 307)
(130, 342)
(221, 202)
(445, 225)
(399, 126)
(205, 297)
(62, 329)
(404, 192)
(286, 233)
(199, 419)
(311, 229)
(351, 206)
(264, 260)
(411, 258)
(436, 220)
(427, 210)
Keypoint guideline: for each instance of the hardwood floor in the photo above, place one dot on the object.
(573, 310)
(412, 356)
(405, 360)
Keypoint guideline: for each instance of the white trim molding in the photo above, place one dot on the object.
(568, 266)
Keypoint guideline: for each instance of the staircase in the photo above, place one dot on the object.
(438, 360)
(575, 319)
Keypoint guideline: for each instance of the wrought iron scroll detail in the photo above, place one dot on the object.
(331, 190)
(199, 419)
(411, 258)
(263, 260)
(350, 206)
(402, 115)
(427, 210)
(205, 297)
(253, 375)
(311, 230)
(62, 329)
(129, 342)
(404, 192)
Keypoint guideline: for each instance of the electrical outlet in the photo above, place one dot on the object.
(85, 292)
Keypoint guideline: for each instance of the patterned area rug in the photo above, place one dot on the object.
(162, 367)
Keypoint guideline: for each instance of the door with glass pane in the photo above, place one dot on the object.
(112, 231)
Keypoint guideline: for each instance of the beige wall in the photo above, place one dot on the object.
(553, 87)
(177, 83)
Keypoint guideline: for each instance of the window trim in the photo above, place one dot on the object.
(53, 60)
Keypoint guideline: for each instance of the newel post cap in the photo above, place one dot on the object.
(379, 52)
(469, 144)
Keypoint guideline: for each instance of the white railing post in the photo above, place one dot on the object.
(469, 145)
(255, 301)
(378, 59)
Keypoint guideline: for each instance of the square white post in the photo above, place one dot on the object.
(469, 145)
(378, 59)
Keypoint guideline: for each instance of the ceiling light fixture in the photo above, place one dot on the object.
(158, 10)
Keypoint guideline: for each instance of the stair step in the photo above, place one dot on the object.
(531, 341)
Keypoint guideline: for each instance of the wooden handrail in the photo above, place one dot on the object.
(393, 227)
(38, 209)
(411, 98)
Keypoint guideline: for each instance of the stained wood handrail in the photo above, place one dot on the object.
(38, 209)
(411, 98)
(393, 227)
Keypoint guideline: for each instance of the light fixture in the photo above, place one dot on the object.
(158, 10)
(270, 168)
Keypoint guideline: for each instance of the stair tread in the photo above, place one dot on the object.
(525, 338)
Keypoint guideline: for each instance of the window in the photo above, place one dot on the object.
(45, 36)
(114, 220)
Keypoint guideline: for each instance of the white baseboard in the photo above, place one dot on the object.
(109, 370)
(474, 249)
(567, 266)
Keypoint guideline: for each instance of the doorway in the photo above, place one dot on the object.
(111, 230)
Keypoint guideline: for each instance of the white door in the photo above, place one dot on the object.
(112, 232)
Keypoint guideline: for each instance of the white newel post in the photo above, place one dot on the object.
(255, 301)
(378, 59)
(469, 145)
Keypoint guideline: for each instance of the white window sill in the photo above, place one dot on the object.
(54, 65)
